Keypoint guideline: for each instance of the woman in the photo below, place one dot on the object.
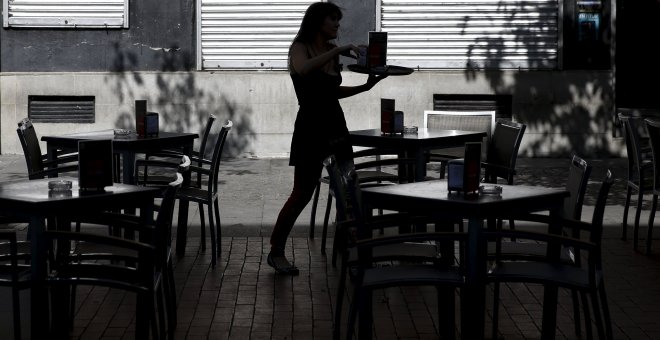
(320, 128)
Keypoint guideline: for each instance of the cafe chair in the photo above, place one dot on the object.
(370, 165)
(345, 186)
(653, 128)
(584, 274)
(38, 164)
(198, 156)
(14, 272)
(446, 274)
(458, 120)
(503, 152)
(208, 195)
(576, 184)
(640, 171)
(143, 266)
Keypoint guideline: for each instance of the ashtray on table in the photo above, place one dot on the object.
(490, 190)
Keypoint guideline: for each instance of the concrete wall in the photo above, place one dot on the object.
(565, 111)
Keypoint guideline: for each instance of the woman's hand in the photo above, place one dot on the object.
(345, 50)
(374, 79)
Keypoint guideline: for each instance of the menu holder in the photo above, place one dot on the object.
(140, 117)
(151, 124)
(386, 116)
(377, 49)
(95, 164)
(463, 175)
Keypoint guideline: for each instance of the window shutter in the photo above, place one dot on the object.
(496, 34)
(65, 13)
(248, 33)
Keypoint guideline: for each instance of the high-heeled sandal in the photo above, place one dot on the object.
(282, 268)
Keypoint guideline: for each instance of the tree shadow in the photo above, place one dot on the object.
(182, 103)
(568, 111)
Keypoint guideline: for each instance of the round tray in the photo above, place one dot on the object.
(389, 70)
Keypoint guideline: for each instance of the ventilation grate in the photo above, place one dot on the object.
(61, 109)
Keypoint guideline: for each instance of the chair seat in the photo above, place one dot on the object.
(408, 251)
(537, 272)
(379, 277)
(526, 250)
(193, 194)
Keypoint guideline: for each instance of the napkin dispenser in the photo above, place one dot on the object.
(151, 124)
(463, 174)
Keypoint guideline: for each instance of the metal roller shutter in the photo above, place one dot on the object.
(495, 34)
(247, 34)
(65, 13)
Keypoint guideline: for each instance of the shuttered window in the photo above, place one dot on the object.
(459, 34)
(65, 13)
(247, 34)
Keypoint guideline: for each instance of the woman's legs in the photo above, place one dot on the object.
(305, 179)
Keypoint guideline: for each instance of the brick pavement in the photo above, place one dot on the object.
(242, 298)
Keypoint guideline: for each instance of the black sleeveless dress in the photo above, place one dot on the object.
(320, 128)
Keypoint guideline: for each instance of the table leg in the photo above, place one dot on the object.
(550, 292)
(182, 221)
(51, 156)
(38, 293)
(473, 295)
(420, 164)
(128, 164)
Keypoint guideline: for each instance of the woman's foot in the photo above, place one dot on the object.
(281, 264)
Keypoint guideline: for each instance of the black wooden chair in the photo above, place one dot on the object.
(653, 128)
(576, 184)
(585, 274)
(208, 195)
(640, 171)
(503, 152)
(38, 164)
(143, 266)
(345, 185)
(14, 272)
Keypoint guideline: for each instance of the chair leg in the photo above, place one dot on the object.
(606, 311)
(442, 170)
(496, 310)
(170, 299)
(212, 232)
(597, 313)
(315, 203)
(576, 312)
(587, 316)
(326, 220)
(356, 305)
(640, 199)
(218, 229)
(203, 226)
(16, 308)
(160, 297)
(340, 301)
(649, 237)
(624, 229)
(446, 313)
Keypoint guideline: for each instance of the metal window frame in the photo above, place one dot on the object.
(47, 20)
(518, 55)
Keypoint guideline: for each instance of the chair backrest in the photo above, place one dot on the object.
(166, 215)
(503, 151)
(463, 120)
(30, 143)
(346, 188)
(653, 128)
(632, 126)
(217, 155)
(578, 177)
(205, 135)
(599, 208)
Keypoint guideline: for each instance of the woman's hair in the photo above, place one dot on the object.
(313, 19)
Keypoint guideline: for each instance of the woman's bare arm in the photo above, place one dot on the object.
(302, 64)
(347, 91)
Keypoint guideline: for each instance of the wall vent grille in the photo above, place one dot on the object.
(62, 109)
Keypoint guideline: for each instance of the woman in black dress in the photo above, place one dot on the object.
(320, 129)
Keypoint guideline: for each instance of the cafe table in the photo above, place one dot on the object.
(126, 145)
(415, 145)
(432, 197)
(32, 199)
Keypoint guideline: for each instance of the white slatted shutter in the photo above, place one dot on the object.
(65, 13)
(247, 34)
(496, 34)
